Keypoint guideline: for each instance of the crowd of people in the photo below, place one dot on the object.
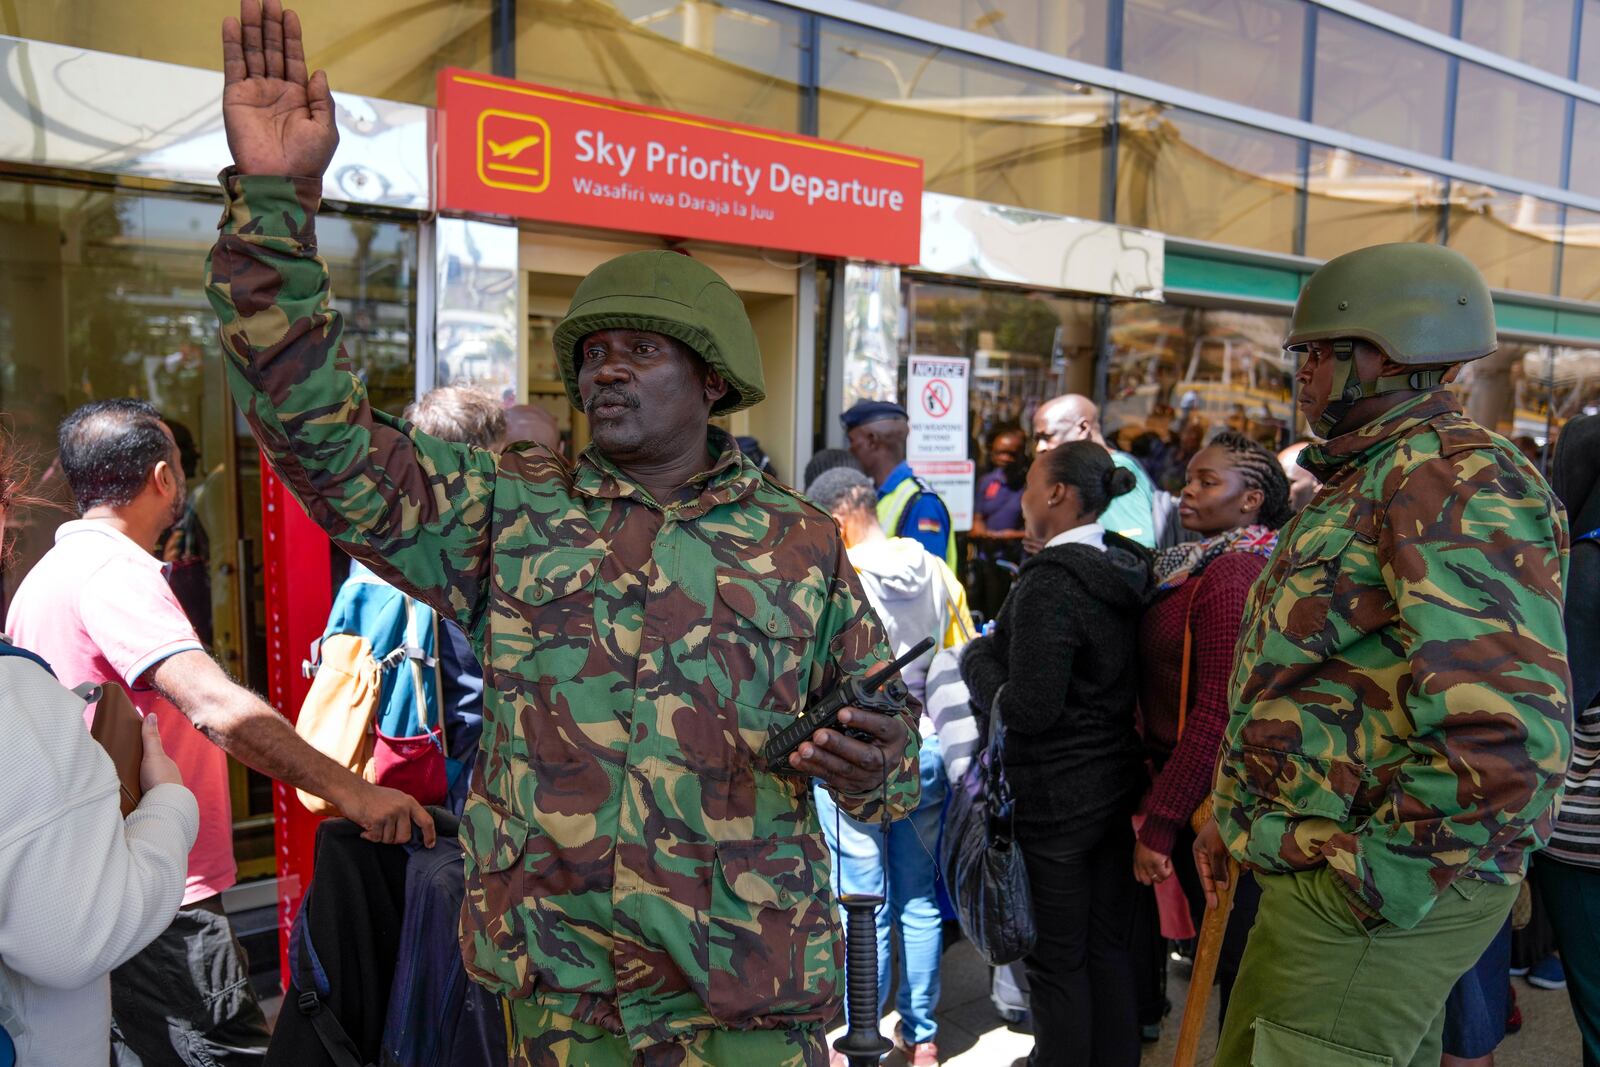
(1330, 696)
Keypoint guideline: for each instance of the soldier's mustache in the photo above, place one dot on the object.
(610, 397)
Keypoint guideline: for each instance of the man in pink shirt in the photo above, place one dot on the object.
(97, 608)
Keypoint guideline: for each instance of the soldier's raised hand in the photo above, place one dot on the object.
(278, 120)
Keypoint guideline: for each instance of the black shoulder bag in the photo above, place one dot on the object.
(981, 860)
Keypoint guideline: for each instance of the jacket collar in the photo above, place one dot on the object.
(896, 476)
(731, 477)
(1327, 458)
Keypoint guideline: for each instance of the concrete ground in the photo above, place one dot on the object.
(972, 1035)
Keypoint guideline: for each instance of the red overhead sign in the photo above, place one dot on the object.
(509, 148)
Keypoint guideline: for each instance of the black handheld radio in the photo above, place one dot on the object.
(883, 692)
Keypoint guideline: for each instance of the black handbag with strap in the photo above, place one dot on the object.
(981, 860)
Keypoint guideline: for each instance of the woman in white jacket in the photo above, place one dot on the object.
(81, 889)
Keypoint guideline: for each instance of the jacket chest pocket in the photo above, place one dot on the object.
(542, 620)
(759, 646)
(1310, 582)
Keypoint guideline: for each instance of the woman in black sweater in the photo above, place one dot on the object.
(1060, 671)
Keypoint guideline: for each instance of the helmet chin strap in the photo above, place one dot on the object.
(1346, 388)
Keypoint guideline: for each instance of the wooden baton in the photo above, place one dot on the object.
(1208, 951)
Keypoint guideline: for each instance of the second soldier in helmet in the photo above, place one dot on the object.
(1400, 723)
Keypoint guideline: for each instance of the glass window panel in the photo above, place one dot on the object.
(1247, 51)
(1025, 348)
(1072, 28)
(1535, 32)
(1570, 382)
(1181, 372)
(1354, 201)
(1434, 14)
(372, 47)
(1195, 176)
(374, 266)
(1375, 84)
(99, 297)
(1580, 255)
(735, 61)
(983, 130)
(1528, 391)
(1513, 239)
(1509, 126)
(1589, 45)
(1585, 176)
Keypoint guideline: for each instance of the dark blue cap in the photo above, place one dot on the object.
(865, 411)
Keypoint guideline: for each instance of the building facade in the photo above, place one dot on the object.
(1124, 197)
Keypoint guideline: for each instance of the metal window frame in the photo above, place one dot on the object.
(1444, 42)
(503, 38)
(872, 17)
(1308, 92)
(1569, 129)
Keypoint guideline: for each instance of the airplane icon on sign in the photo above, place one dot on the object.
(513, 151)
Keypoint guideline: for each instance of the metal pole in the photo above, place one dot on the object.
(1549, 409)
(503, 38)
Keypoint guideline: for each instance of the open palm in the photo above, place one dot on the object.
(278, 120)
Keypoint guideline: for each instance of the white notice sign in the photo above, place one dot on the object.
(936, 400)
(952, 480)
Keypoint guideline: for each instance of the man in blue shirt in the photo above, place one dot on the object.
(907, 506)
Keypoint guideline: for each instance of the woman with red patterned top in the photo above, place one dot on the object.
(1235, 497)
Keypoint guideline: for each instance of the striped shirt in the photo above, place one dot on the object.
(1577, 832)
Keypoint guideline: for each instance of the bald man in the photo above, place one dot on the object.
(1303, 485)
(1073, 417)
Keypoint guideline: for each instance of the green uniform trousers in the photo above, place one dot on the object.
(1316, 986)
(540, 1037)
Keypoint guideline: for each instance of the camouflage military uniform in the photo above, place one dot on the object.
(1400, 688)
(630, 870)
(1400, 714)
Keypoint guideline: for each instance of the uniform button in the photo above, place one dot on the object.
(538, 596)
(772, 626)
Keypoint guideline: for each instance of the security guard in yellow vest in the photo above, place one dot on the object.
(907, 505)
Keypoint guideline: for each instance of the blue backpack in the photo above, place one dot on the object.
(376, 703)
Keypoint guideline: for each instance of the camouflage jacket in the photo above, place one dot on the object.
(628, 862)
(1399, 691)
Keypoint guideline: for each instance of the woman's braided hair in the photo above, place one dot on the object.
(1261, 470)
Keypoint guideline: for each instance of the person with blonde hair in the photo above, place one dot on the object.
(461, 413)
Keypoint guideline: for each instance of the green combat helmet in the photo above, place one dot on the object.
(670, 294)
(1425, 306)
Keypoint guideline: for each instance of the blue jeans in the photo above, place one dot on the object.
(912, 900)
